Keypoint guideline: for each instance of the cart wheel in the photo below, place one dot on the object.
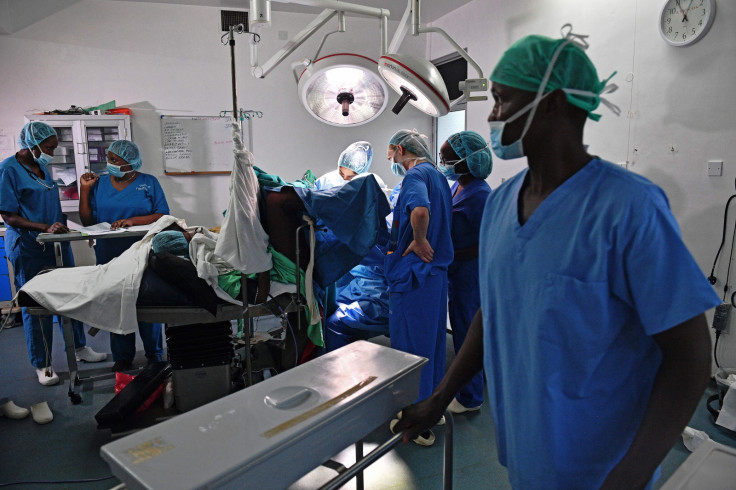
(76, 398)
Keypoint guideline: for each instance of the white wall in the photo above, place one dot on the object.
(168, 59)
(676, 97)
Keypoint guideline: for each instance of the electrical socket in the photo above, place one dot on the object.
(715, 168)
(720, 317)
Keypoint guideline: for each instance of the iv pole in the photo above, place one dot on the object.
(229, 39)
(247, 319)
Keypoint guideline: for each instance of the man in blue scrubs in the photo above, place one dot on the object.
(420, 250)
(465, 159)
(591, 329)
(29, 205)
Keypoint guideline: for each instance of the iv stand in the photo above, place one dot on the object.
(247, 318)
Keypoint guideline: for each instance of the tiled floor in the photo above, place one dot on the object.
(67, 449)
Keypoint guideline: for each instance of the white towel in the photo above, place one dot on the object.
(242, 242)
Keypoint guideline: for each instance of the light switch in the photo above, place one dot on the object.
(715, 168)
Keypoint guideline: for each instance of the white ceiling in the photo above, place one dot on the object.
(19, 14)
(429, 9)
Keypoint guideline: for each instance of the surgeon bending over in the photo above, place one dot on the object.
(591, 328)
(354, 161)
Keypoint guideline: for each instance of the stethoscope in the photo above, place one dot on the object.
(32, 175)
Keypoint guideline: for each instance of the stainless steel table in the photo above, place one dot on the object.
(274, 432)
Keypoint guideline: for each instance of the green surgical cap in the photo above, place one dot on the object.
(524, 64)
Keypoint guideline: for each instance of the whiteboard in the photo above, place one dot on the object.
(197, 145)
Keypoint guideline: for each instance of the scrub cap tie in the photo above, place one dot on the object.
(543, 65)
(128, 151)
(471, 147)
(357, 157)
(33, 133)
(413, 141)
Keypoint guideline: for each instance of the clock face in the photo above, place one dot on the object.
(684, 22)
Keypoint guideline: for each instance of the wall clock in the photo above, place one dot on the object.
(684, 22)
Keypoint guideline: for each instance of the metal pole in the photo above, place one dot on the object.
(231, 42)
(448, 459)
(341, 479)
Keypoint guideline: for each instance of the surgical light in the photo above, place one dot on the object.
(417, 81)
(343, 89)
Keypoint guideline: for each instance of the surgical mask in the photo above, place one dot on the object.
(515, 149)
(115, 170)
(43, 159)
(398, 169)
(448, 169)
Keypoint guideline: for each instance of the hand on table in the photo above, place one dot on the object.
(122, 223)
(57, 228)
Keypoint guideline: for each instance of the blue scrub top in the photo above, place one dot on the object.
(570, 302)
(142, 197)
(467, 211)
(24, 195)
(423, 185)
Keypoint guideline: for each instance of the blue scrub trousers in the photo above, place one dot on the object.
(418, 325)
(464, 301)
(123, 346)
(39, 329)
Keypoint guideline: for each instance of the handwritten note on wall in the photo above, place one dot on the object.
(196, 144)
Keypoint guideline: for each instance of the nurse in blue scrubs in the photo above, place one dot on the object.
(124, 197)
(29, 205)
(420, 251)
(466, 159)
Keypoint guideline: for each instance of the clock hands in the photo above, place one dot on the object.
(684, 11)
(684, 14)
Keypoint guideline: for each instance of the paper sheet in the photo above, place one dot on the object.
(66, 175)
(727, 414)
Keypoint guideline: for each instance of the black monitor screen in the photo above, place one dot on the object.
(453, 72)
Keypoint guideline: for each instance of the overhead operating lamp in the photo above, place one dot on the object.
(344, 103)
(343, 89)
(416, 80)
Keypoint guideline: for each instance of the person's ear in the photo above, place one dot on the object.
(555, 103)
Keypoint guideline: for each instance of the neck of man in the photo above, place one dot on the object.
(553, 165)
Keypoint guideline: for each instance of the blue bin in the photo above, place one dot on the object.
(5, 293)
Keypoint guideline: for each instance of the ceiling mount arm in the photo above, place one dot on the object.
(332, 8)
(479, 84)
(340, 28)
(260, 71)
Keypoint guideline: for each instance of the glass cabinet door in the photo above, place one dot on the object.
(83, 143)
(63, 166)
(97, 136)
